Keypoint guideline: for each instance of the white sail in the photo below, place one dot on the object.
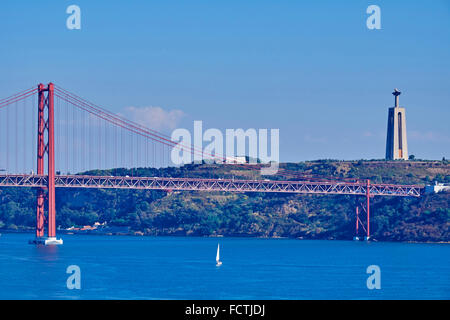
(218, 254)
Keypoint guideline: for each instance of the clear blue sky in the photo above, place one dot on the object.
(310, 68)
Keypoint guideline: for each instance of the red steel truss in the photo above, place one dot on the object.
(226, 185)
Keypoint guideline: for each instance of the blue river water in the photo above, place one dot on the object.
(128, 267)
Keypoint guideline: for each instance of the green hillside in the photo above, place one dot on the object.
(252, 214)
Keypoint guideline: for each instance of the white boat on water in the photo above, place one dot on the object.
(218, 262)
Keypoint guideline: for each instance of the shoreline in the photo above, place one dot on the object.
(31, 231)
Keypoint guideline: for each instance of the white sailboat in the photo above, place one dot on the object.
(218, 262)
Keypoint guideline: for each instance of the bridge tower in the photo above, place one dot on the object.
(46, 124)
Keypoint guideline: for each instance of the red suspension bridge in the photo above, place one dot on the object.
(75, 135)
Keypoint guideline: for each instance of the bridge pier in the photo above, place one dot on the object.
(356, 236)
(358, 223)
(367, 237)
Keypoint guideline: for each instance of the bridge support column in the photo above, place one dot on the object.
(51, 163)
(356, 236)
(49, 148)
(360, 222)
(368, 210)
(40, 162)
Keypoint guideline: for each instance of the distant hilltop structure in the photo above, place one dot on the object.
(396, 143)
(437, 187)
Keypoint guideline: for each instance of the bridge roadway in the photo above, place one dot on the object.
(226, 185)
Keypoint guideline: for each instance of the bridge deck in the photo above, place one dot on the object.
(226, 185)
